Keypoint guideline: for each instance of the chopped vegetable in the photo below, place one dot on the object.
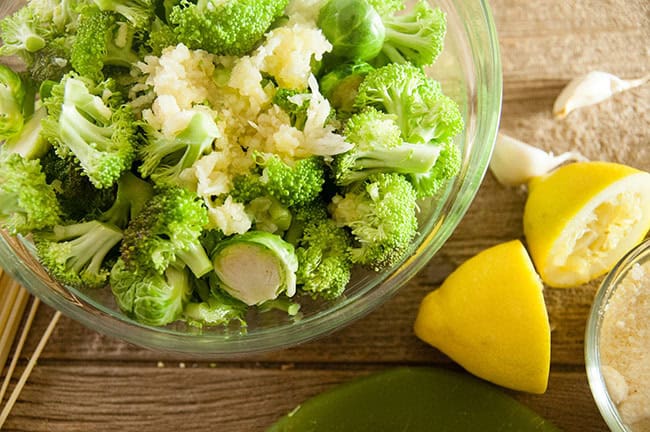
(218, 156)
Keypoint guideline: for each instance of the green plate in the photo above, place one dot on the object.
(412, 400)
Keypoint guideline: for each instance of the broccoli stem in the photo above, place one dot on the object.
(407, 158)
(196, 259)
(30, 144)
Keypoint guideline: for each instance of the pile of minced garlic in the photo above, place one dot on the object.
(625, 347)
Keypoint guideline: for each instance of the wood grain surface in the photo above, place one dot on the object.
(89, 382)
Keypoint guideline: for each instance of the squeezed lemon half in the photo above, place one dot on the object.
(489, 316)
(580, 219)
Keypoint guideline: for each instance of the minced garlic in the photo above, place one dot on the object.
(625, 347)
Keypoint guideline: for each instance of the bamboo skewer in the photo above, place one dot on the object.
(19, 346)
(28, 369)
(13, 322)
(8, 303)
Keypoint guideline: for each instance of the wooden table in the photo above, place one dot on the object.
(88, 382)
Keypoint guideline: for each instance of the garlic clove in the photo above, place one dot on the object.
(590, 89)
(515, 162)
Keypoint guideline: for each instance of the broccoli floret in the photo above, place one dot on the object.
(285, 99)
(76, 254)
(416, 36)
(386, 7)
(381, 213)
(160, 37)
(322, 248)
(447, 167)
(27, 201)
(53, 61)
(340, 85)
(247, 187)
(22, 34)
(148, 296)
(100, 136)
(138, 12)
(378, 147)
(132, 195)
(292, 185)
(165, 158)
(436, 119)
(167, 231)
(78, 198)
(273, 259)
(101, 40)
(13, 93)
(224, 27)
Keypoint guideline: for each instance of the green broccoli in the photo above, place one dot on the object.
(138, 12)
(224, 27)
(27, 201)
(167, 231)
(101, 40)
(268, 214)
(416, 36)
(435, 119)
(77, 254)
(132, 195)
(247, 187)
(381, 213)
(13, 95)
(148, 296)
(273, 259)
(386, 7)
(58, 16)
(378, 147)
(77, 197)
(292, 185)
(22, 34)
(160, 37)
(322, 248)
(165, 158)
(447, 167)
(100, 135)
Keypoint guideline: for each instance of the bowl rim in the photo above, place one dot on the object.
(486, 64)
(597, 384)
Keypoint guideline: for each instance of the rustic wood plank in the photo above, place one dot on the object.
(107, 398)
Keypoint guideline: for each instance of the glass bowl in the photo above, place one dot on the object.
(470, 71)
(597, 341)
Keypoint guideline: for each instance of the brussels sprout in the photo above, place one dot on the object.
(256, 266)
(340, 85)
(353, 27)
(12, 99)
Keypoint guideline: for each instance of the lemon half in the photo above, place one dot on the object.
(490, 317)
(580, 219)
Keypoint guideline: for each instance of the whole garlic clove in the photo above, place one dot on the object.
(515, 162)
(590, 89)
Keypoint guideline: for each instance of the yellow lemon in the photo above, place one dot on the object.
(490, 317)
(580, 219)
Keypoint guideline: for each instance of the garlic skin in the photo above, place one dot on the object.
(590, 89)
(516, 163)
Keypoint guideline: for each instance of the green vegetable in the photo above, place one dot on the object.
(101, 40)
(354, 28)
(225, 27)
(101, 136)
(53, 61)
(447, 167)
(416, 36)
(133, 194)
(269, 215)
(138, 12)
(322, 248)
(340, 85)
(22, 34)
(273, 259)
(292, 185)
(27, 201)
(149, 297)
(297, 113)
(12, 99)
(380, 212)
(379, 148)
(412, 400)
(29, 143)
(164, 158)
(77, 254)
(218, 309)
(166, 231)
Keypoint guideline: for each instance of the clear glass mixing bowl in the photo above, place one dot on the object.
(470, 71)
